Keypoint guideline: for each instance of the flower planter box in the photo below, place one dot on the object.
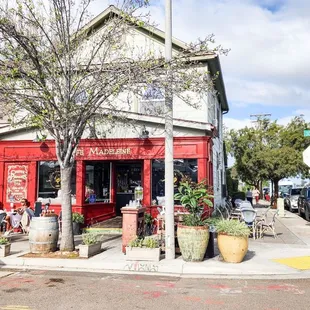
(5, 249)
(146, 254)
(86, 251)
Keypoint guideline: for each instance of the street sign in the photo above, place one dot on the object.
(307, 133)
(306, 156)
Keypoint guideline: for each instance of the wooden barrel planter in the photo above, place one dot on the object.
(43, 234)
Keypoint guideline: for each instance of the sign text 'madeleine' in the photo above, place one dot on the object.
(97, 151)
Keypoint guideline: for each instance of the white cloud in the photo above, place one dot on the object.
(269, 61)
(232, 123)
(269, 39)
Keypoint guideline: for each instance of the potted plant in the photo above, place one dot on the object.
(193, 233)
(77, 220)
(232, 239)
(143, 249)
(91, 244)
(148, 220)
(5, 246)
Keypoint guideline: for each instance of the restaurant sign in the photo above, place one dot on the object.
(17, 182)
(99, 151)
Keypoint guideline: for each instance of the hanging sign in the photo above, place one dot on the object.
(17, 182)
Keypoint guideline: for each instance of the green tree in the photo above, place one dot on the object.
(232, 181)
(59, 70)
(269, 151)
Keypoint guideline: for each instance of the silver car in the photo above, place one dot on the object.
(291, 199)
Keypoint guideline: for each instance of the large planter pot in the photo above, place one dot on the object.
(5, 249)
(43, 234)
(147, 254)
(233, 249)
(193, 242)
(86, 251)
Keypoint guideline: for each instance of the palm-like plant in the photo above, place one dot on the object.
(196, 198)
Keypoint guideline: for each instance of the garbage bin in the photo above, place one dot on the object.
(210, 248)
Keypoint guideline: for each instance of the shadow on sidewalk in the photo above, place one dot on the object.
(249, 255)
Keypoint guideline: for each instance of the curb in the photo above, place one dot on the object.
(171, 269)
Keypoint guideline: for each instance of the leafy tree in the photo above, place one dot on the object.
(269, 151)
(59, 71)
(232, 181)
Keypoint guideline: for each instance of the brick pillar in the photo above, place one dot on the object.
(133, 224)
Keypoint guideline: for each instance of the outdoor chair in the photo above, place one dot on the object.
(245, 205)
(266, 226)
(248, 215)
(237, 202)
(242, 205)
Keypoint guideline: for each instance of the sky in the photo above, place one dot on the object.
(267, 70)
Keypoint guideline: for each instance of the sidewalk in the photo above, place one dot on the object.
(293, 241)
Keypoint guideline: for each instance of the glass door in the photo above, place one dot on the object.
(128, 177)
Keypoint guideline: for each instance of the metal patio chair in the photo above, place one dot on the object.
(248, 215)
(266, 226)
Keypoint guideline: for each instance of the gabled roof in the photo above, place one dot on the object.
(212, 59)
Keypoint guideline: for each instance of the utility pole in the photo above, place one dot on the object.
(259, 117)
(169, 188)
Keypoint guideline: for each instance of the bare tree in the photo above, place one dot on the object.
(59, 70)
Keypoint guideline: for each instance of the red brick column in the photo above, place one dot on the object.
(133, 224)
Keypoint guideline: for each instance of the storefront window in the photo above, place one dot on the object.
(97, 182)
(50, 182)
(182, 167)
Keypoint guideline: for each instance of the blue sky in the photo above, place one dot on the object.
(268, 67)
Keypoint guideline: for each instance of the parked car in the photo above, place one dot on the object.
(291, 199)
(304, 202)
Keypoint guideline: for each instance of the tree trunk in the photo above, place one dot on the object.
(276, 192)
(67, 240)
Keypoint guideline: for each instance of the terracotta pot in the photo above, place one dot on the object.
(193, 242)
(233, 249)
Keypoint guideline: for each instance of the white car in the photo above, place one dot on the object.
(291, 199)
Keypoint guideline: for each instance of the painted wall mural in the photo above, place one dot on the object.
(17, 182)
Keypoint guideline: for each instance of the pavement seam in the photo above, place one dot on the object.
(291, 232)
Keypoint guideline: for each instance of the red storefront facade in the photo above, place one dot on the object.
(116, 164)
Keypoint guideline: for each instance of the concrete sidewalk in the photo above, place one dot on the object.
(293, 241)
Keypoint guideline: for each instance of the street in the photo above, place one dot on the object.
(39, 289)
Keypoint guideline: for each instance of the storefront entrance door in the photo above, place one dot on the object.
(128, 177)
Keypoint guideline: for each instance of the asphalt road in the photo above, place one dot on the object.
(26, 290)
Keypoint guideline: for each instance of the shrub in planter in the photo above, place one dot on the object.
(193, 234)
(143, 249)
(77, 220)
(148, 221)
(5, 246)
(232, 239)
(91, 244)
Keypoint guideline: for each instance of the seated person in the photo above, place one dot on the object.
(13, 218)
